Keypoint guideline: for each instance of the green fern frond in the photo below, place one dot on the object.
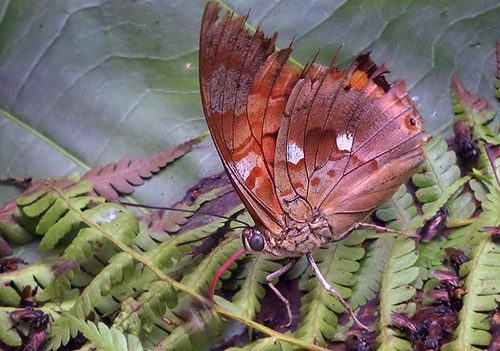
(403, 265)
(476, 112)
(252, 290)
(482, 278)
(489, 168)
(168, 253)
(435, 176)
(187, 334)
(105, 338)
(8, 335)
(60, 288)
(38, 274)
(115, 220)
(116, 282)
(370, 273)
(479, 189)
(399, 271)
(121, 267)
(399, 211)
(430, 257)
(54, 207)
(201, 328)
(150, 305)
(470, 107)
(162, 249)
(63, 329)
(338, 262)
(61, 209)
(431, 254)
(50, 200)
(439, 183)
(104, 291)
(395, 291)
(142, 313)
(10, 226)
(110, 280)
(265, 344)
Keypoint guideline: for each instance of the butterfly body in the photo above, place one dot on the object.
(297, 239)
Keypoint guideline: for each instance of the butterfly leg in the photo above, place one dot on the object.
(278, 274)
(380, 229)
(332, 291)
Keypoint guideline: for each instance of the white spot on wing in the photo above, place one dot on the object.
(294, 153)
(246, 165)
(243, 168)
(344, 142)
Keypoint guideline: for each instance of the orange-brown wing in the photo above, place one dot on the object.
(347, 142)
(245, 85)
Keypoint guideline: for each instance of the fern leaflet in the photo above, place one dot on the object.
(338, 262)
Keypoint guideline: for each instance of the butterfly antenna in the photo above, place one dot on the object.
(183, 210)
(208, 236)
(222, 269)
(193, 241)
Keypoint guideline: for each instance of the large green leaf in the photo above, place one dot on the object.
(84, 83)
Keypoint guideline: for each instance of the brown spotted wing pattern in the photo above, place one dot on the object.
(310, 151)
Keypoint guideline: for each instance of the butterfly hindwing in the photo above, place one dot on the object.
(347, 142)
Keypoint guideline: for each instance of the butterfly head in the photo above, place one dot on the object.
(253, 240)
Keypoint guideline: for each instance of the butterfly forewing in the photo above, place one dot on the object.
(245, 86)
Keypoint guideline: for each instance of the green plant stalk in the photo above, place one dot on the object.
(190, 292)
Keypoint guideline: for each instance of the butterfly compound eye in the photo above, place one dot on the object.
(253, 239)
(256, 242)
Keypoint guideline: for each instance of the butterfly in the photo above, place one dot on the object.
(310, 151)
